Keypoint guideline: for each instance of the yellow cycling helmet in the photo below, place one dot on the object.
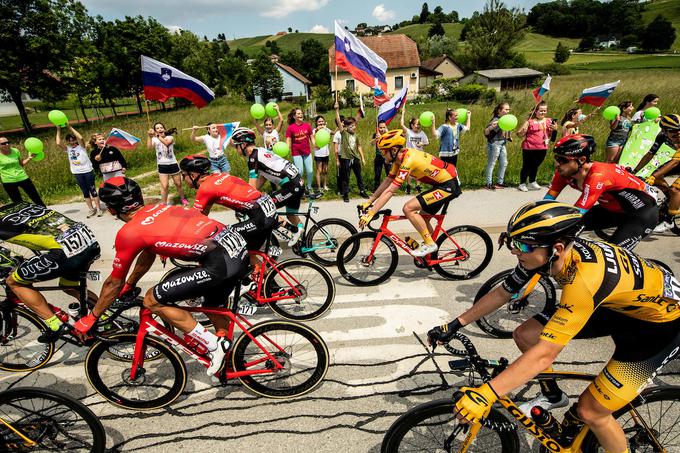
(390, 139)
(670, 122)
(543, 222)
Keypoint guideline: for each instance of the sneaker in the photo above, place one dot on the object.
(424, 250)
(50, 336)
(296, 237)
(663, 227)
(217, 356)
(92, 213)
(364, 194)
(534, 186)
(489, 187)
(500, 185)
(543, 401)
(325, 188)
(185, 202)
(100, 213)
(522, 188)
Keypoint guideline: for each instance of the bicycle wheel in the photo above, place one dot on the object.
(505, 320)
(56, 422)
(358, 268)
(19, 251)
(469, 240)
(427, 428)
(19, 347)
(659, 409)
(313, 282)
(299, 348)
(158, 383)
(325, 237)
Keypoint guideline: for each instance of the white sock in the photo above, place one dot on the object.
(201, 334)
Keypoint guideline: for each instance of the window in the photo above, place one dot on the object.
(349, 84)
(398, 82)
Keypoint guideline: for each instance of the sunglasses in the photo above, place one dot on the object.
(563, 160)
(514, 244)
(4, 143)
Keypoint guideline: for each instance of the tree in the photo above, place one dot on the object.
(438, 45)
(436, 29)
(314, 61)
(291, 58)
(586, 43)
(240, 54)
(266, 80)
(659, 34)
(562, 53)
(452, 17)
(237, 77)
(290, 29)
(437, 16)
(424, 14)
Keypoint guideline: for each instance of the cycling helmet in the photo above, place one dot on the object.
(195, 164)
(243, 136)
(671, 122)
(390, 139)
(575, 145)
(121, 194)
(543, 222)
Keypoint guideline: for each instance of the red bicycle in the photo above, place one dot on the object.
(371, 257)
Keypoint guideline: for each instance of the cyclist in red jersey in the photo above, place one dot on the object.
(175, 232)
(623, 200)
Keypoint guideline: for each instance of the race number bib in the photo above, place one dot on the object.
(76, 239)
(267, 205)
(231, 241)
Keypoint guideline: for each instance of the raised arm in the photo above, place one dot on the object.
(57, 139)
(279, 119)
(341, 127)
(149, 141)
(76, 134)
(193, 134)
(401, 120)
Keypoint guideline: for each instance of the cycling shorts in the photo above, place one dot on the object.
(433, 199)
(289, 195)
(257, 227)
(631, 227)
(55, 264)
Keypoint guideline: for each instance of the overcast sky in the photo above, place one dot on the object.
(244, 18)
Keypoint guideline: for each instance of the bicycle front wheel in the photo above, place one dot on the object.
(308, 289)
(54, 421)
(298, 348)
(429, 428)
(466, 248)
(325, 237)
(19, 347)
(360, 265)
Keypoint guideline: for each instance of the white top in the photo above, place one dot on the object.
(337, 139)
(270, 138)
(165, 155)
(324, 150)
(79, 160)
(213, 146)
(416, 140)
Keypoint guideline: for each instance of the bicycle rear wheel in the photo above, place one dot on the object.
(428, 428)
(19, 347)
(360, 269)
(470, 243)
(297, 347)
(325, 237)
(56, 422)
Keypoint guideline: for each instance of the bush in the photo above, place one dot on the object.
(448, 89)
(552, 69)
(561, 53)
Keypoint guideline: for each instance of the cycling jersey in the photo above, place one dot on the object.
(226, 190)
(611, 185)
(663, 139)
(273, 168)
(422, 166)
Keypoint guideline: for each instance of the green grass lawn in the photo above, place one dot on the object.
(628, 62)
(40, 118)
(419, 31)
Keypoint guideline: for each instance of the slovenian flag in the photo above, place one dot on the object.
(540, 91)
(226, 130)
(379, 97)
(359, 60)
(121, 139)
(597, 95)
(162, 82)
(389, 109)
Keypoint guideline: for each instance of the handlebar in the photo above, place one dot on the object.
(382, 212)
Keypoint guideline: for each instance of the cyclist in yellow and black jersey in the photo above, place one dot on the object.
(68, 247)
(606, 290)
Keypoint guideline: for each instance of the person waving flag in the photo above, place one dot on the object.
(162, 82)
(544, 88)
(389, 109)
(121, 139)
(358, 59)
(597, 95)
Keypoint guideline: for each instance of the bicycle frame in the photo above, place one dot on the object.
(308, 217)
(284, 293)
(27, 442)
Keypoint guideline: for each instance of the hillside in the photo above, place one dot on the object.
(668, 8)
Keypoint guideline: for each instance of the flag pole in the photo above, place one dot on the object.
(336, 83)
(148, 118)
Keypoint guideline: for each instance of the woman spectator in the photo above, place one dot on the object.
(537, 131)
(620, 128)
(109, 159)
(300, 139)
(496, 139)
(650, 100)
(573, 119)
(163, 142)
(270, 134)
(379, 161)
(415, 139)
(81, 167)
(321, 156)
(13, 175)
(218, 161)
(449, 135)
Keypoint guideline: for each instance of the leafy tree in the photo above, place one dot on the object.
(314, 61)
(290, 29)
(628, 41)
(438, 45)
(436, 29)
(437, 16)
(240, 54)
(452, 17)
(586, 43)
(424, 14)
(237, 77)
(266, 79)
(562, 53)
(659, 34)
(291, 58)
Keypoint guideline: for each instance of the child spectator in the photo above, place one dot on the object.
(162, 141)
(300, 138)
(496, 139)
(415, 139)
(449, 135)
(109, 159)
(620, 128)
(321, 156)
(573, 119)
(351, 156)
(379, 161)
(650, 100)
(270, 133)
(218, 161)
(13, 175)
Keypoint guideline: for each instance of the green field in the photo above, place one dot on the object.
(668, 8)
(419, 32)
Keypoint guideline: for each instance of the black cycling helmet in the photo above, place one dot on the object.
(575, 145)
(243, 136)
(195, 164)
(670, 122)
(121, 194)
(544, 222)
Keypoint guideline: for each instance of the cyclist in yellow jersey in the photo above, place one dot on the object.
(606, 290)
(425, 168)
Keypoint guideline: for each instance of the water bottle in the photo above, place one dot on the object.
(411, 242)
(546, 422)
(73, 310)
(61, 314)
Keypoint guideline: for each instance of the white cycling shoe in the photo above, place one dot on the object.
(542, 401)
(217, 356)
(425, 250)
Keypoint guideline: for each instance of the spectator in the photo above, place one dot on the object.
(620, 128)
(573, 119)
(321, 156)
(537, 131)
(379, 161)
(81, 167)
(109, 159)
(270, 134)
(300, 138)
(415, 139)
(162, 141)
(650, 100)
(496, 139)
(449, 136)
(13, 175)
(218, 161)
(351, 156)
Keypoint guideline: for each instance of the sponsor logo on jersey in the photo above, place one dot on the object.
(611, 378)
(548, 335)
(566, 307)
(197, 277)
(647, 299)
(220, 180)
(402, 174)
(586, 253)
(586, 192)
(150, 219)
(25, 214)
(612, 265)
(196, 248)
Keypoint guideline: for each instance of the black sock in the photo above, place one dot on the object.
(550, 390)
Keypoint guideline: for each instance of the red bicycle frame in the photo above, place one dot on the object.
(291, 291)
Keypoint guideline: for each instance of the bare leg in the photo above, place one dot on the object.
(164, 179)
(32, 298)
(601, 422)
(177, 179)
(179, 318)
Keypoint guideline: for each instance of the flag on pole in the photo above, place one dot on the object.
(226, 130)
(597, 95)
(389, 109)
(121, 139)
(361, 111)
(379, 97)
(540, 91)
(358, 59)
(162, 82)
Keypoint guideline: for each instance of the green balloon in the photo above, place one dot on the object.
(652, 113)
(34, 146)
(57, 117)
(270, 110)
(507, 122)
(281, 149)
(426, 119)
(322, 138)
(611, 112)
(257, 111)
(462, 115)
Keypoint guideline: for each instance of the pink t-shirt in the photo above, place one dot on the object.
(300, 139)
(538, 134)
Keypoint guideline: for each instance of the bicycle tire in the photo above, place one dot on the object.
(474, 241)
(354, 269)
(646, 403)
(107, 374)
(435, 419)
(23, 352)
(502, 323)
(315, 279)
(308, 369)
(331, 227)
(55, 431)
